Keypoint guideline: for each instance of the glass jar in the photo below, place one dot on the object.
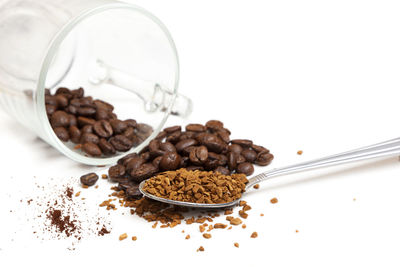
(116, 51)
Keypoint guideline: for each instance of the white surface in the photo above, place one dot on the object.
(321, 76)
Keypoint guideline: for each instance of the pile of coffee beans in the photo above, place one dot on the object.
(92, 124)
(199, 147)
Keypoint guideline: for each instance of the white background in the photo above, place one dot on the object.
(320, 76)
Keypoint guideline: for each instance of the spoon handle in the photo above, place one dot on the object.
(384, 149)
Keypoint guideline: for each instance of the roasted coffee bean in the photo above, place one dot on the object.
(240, 159)
(116, 171)
(63, 91)
(156, 161)
(131, 123)
(235, 148)
(74, 134)
(188, 135)
(59, 119)
(89, 138)
(129, 132)
(156, 153)
(103, 105)
(87, 129)
(196, 128)
(145, 156)
(89, 179)
(161, 135)
(173, 137)
(167, 147)
(170, 161)
(125, 159)
(210, 164)
(50, 109)
(61, 133)
(82, 121)
(264, 158)
(232, 160)
(143, 172)
(72, 120)
(186, 151)
(103, 129)
(133, 192)
(86, 111)
(47, 92)
(259, 149)
(213, 143)
(91, 149)
(242, 142)
(198, 155)
(106, 147)
(134, 163)
(245, 168)
(121, 143)
(78, 92)
(249, 155)
(222, 170)
(87, 102)
(173, 129)
(214, 125)
(62, 101)
(195, 168)
(102, 114)
(154, 145)
(118, 126)
(224, 136)
(181, 145)
(72, 109)
(184, 162)
(144, 128)
(135, 140)
(50, 100)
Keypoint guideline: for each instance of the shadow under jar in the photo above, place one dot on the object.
(57, 55)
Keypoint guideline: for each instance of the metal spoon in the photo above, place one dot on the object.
(384, 149)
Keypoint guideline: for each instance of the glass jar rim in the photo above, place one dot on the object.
(52, 50)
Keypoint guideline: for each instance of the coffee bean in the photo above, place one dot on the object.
(102, 114)
(47, 92)
(145, 156)
(50, 100)
(212, 142)
(61, 133)
(167, 147)
(196, 128)
(116, 171)
(188, 135)
(89, 138)
(249, 155)
(103, 105)
(125, 159)
(198, 155)
(242, 142)
(131, 123)
(59, 119)
(156, 161)
(214, 125)
(195, 168)
(161, 135)
(62, 101)
(173, 129)
(143, 172)
(133, 192)
(50, 109)
(78, 92)
(106, 147)
(118, 126)
(240, 159)
(134, 163)
(121, 143)
(71, 110)
(103, 129)
(63, 91)
(222, 170)
(89, 179)
(173, 137)
(170, 161)
(86, 111)
(186, 151)
(184, 162)
(144, 128)
(91, 149)
(75, 134)
(232, 160)
(264, 158)
(87, 129)
(154, 145)
(130, 133)
(224, 136)
(72, 120)
(259, 149)
(181, 145)
(245, 168)
(235, 148)
(82, 121)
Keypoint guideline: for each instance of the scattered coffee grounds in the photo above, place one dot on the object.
(103, 231)
(300, 152)
(254, 235)
(123, 236)
(236, 244)
(274, 200)
(92, 124)
(197, 186)
(63, 223)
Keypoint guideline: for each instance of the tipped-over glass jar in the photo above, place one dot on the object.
(116, 51)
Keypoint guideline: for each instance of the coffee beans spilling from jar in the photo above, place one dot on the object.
(92, 123)
(199, 147)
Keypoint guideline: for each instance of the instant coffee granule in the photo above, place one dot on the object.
(197, 186)
(274, 200)
(236, 244)
(254, 235)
